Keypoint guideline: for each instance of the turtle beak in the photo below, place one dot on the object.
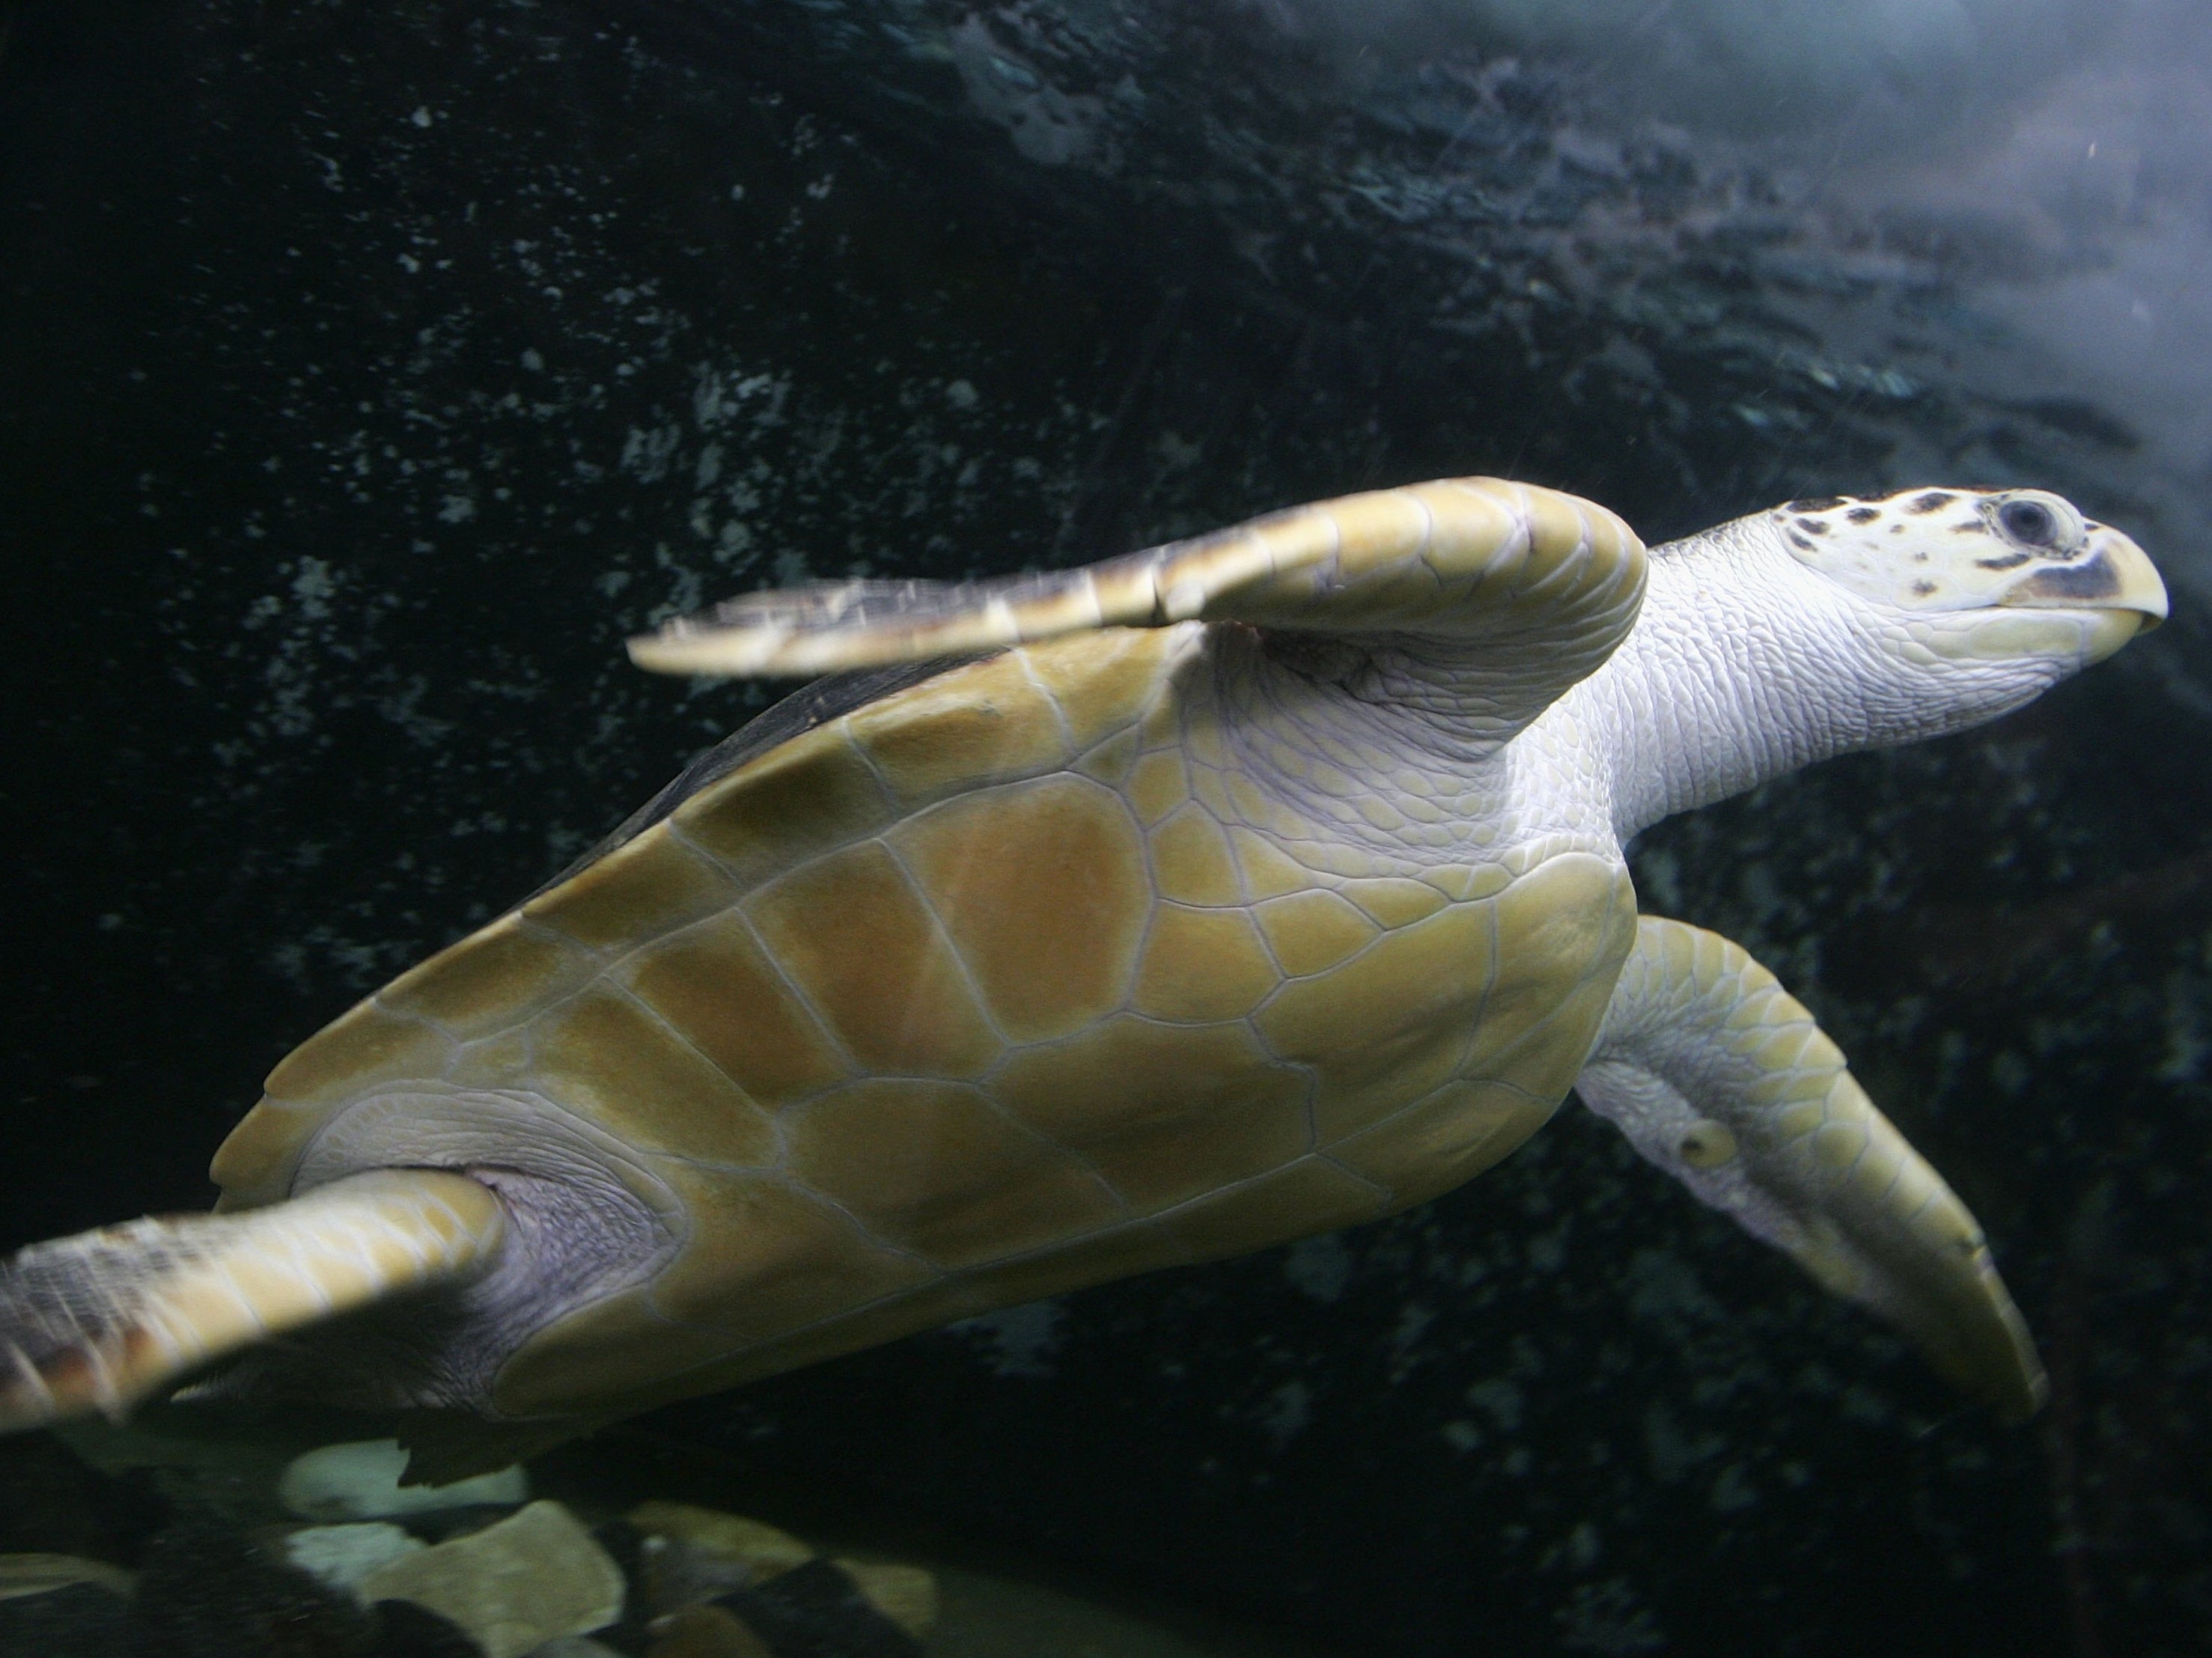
(2115, 581)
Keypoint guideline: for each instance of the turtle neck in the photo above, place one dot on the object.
(1745, 665)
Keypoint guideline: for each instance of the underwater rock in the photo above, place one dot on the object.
(404, 1629)
(80, 1620)
(819, 1610)
(905, 1594)
(208, 1592)
(41, 1573)
(761, 1547)
(706, 1633)
(53, 1500)
(568, 1646)
(361, 1480)
(339, 1557)
(687, 1554)
(531, 1578)
(691, 1555)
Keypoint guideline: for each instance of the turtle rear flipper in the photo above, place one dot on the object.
(1721, 1076)
(109, 1318)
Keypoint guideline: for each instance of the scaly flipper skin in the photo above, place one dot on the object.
(1719, 1076)
(106, 1319)
(1545, 582)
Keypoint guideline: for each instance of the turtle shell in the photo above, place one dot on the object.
(1005, 982)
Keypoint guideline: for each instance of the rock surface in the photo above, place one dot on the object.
(339, 1557)
(206, 1592)
(688, 1554)
(362, 1480)
(38, 1573)
(705, 1631)
(53, 1500)
(79, 1621)
(905, 1594)
(692, 1554)
(533, 1578)
(818, 1611)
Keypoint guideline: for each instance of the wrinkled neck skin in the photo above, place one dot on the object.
(1744, 665)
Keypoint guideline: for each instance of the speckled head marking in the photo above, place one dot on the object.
(1924, 550)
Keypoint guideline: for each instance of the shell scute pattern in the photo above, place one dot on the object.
(1190, 859)
(990, 720)
(504, 972)
(1201, 966)
(1312, 1195)
(1571, 921)
(1109, 689)
(364, 1045)
(609, 1056)
(814, 793)
(640, 890)
(1313, 930)
(717, 987)
(1041, 888)
(1448, 1136)
(1158, 785)
(862, 945)
(794, 1251)
(1110, 761)
(936, 1025)
(1268, 870)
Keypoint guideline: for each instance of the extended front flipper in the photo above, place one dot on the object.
(1719, 1076)
(1536, 587)
(106, 1319)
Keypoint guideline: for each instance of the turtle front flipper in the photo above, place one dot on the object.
(1719, 1076)
(106, 1319)
(1546, 584)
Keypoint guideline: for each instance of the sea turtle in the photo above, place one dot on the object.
(1094, 921)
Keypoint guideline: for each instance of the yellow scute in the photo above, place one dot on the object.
(938, 1168)
(811, 793)
(643, 887)
(718, 990)
(855, 937)
(1396, 1015)
(987, 719)
(1313, 930)
(1191, 862)
(497, 975)
(1163, 1114)
(645, 1083)
(765, 1258)
(1106, 680)
(254, 1163)
(365, 1044)
(1565, 925)
(1041, 888)
(1310, 1195)
(1441, 1141)
(1202, 964)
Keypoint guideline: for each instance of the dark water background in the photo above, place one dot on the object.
(367, 374)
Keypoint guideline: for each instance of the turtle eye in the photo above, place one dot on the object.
(2041, 523)
(2029, 522)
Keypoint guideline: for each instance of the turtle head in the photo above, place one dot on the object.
(1834, 624)
(1982, 576)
